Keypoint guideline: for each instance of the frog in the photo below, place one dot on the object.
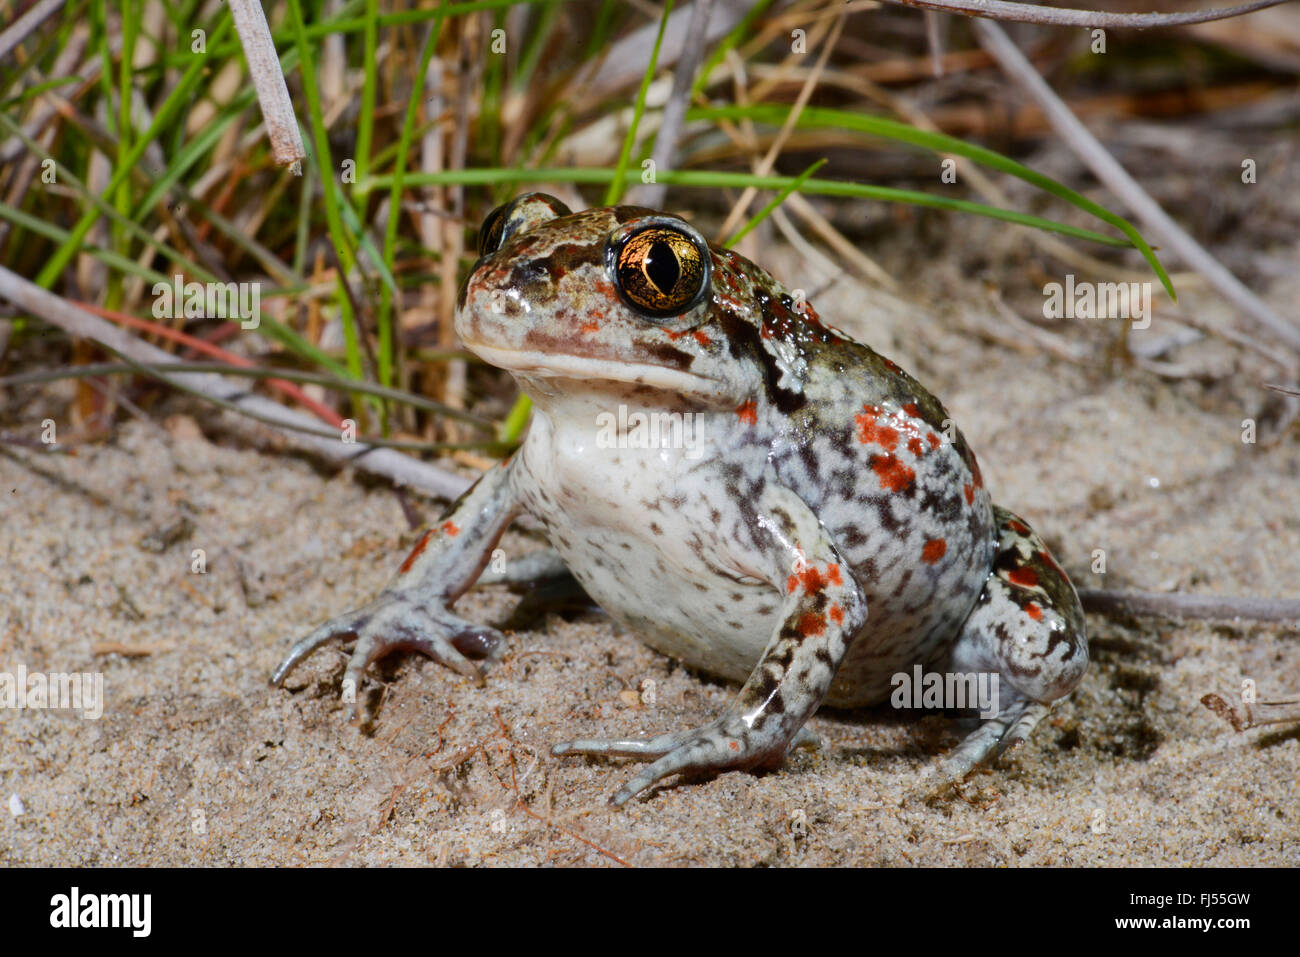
(807, 521)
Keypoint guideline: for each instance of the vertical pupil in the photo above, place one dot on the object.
(662, 267)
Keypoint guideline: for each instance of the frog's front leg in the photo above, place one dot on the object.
(413, 612)
(1027, 629)
(823, 609)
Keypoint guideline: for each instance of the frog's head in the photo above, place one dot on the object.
(623, 295)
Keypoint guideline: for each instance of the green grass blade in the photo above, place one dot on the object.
(329, 187)
(181, 95)
(822, 117)
(395, 187)
(251, 372)
(615, 191)
(777, 200)
(731, 40)
(714, 179)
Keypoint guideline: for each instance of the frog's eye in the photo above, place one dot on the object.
(518, 215)
(492, 232)
(660, 269)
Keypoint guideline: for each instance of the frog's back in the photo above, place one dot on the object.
(876, 455)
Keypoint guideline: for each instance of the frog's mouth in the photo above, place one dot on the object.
(593, 369)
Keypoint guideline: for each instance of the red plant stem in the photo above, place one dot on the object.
(323, 412)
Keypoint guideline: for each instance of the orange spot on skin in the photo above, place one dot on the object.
(892, 366)
(837, 614)
(915, 447)
(674, 336)
(1034, 612)
(450, 528)
(1018, 527)
(933, 440)
(589, 327)
(934, 550)
(766, 331)
(416, 552)
(970, 493)
(871, 431)
(894, 475)
(811, 624)
(912, 410)
(701, 337)
(813, 580)
(1023, 576)
(734, 745)
(748, 413)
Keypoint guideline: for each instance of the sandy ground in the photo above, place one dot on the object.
(196, 760)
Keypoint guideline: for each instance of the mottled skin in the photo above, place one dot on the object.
(828, 528)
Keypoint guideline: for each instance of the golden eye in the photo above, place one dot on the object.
(490, 233)
(661, 270)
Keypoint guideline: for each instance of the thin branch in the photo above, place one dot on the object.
(1063, 17)
(268, 79)
(252, 372)
(400, 469)
(20, 29)
(52, 101)
(764, 166)
(1257, 713)
(1184, 606)
(624, 62)
(1107, 169)
(670, 127)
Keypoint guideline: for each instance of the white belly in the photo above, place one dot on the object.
(635, 527)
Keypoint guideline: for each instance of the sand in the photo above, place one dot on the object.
(197, 761)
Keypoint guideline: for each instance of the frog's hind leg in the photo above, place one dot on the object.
(1027, 632)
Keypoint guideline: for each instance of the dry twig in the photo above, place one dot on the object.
(1108, 170)
(268, 79)
(670, 127)
(1063, 17)
(400, 469)
(1182, 606)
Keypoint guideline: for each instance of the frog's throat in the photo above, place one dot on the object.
(552, 366)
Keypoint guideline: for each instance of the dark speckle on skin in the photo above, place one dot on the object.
(829, 529)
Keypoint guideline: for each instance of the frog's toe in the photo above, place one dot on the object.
(1006, 729)
(806, 738)
(619, 747)
(393, 623)
(727, 744)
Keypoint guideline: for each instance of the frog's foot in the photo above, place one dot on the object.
(1027, 633)
(396, 621)
(1005, 730)
(728, 744)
